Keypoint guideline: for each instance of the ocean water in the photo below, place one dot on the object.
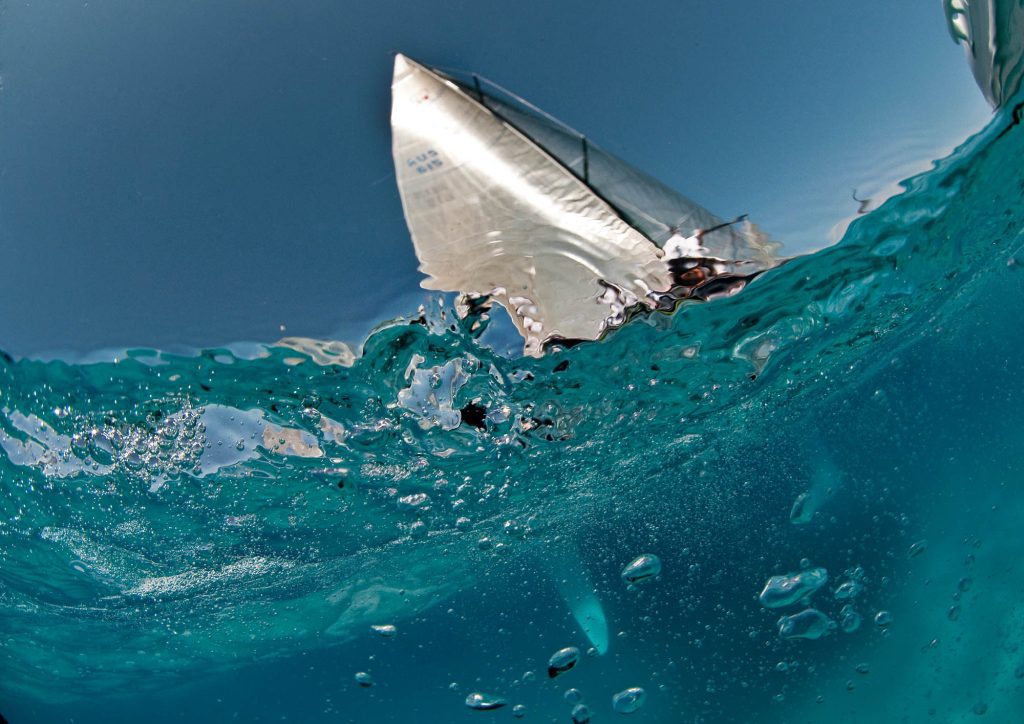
(212, 537)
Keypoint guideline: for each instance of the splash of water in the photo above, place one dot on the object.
(166, 513)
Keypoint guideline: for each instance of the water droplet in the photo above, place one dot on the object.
(808, 624)
(641, 569)
(385, 630)
(786, 590)
(364, 679)
(580, 714)
(484, 702)
(563, 660)
(629, 700)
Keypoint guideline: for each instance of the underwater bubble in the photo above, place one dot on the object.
(629, 700)
(580, 714)
(386, 631)
(641, 569)
(364, 679)
(414, 501)
(573, 696)
(848, 590)
(964, 585)
(809, 624)
(101, 448)
(462, 523)
(519, 711)
(953, 614)
(883, 619)
(863, 669)
(803, 509)
(980, 708)
(849, 619)
(563, 660)
(484, 702)
(786, 590)
(514, 529)
(917, 548)
(418, 529)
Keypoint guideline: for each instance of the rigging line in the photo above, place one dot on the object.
(586, 160)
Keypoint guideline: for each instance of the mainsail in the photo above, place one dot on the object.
(993, 34)
(504, 201)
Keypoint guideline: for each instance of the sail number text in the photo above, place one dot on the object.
(426, 161)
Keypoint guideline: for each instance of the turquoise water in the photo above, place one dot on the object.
(211, 537)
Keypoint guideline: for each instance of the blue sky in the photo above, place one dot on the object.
(199, 173)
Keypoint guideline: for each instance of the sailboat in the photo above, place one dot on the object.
(504, 201)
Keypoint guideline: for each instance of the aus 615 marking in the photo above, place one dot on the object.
(426, 161)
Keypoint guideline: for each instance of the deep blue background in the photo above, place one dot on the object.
(204, 172)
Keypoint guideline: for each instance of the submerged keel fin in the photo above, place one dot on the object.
(576, 589)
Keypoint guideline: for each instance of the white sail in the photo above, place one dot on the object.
(492, 213)
(505, 201)
(993, 35)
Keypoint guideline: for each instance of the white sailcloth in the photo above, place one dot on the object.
(992, 32)
(491, 212)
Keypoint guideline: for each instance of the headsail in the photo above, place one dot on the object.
(503, 201)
